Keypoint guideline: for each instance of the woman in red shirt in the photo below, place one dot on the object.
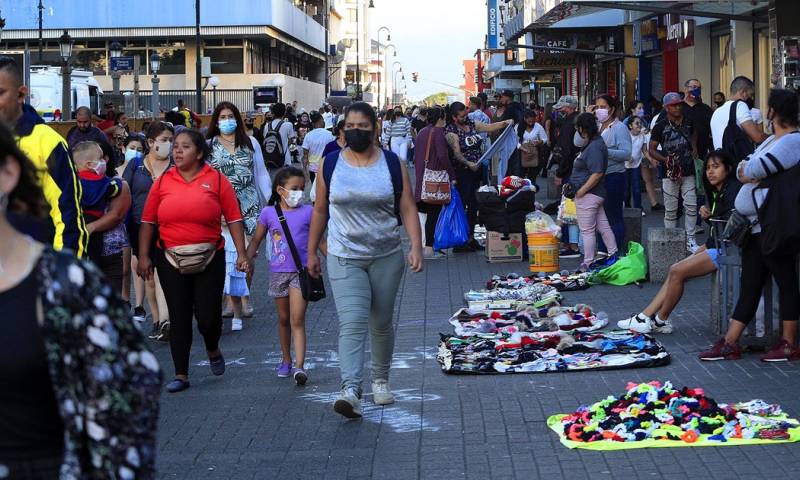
(187, 203)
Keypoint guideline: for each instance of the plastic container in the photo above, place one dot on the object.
(543, 252)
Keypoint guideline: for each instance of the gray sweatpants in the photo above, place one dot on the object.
(364, 292)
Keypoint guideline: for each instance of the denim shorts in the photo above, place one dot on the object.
(713, 254)
(279, 283)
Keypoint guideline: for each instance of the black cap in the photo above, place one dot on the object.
(507, 93)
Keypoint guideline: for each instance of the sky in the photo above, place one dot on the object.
(432, 38)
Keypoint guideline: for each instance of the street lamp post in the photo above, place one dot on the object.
(394, 84)
(385, 64)
(116, 52)
(65, 48)
(394, 73)
(214, 82)
(155, 66)
(383, 69)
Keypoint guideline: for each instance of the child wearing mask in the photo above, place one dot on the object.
(284, 285)
(98, 190)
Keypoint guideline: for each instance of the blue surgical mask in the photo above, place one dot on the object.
(227, 126)
(132, 154)
(696, 92)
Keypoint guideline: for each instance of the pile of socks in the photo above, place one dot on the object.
(534, 293)
(661, 412)
(563, 282)
(479, 321)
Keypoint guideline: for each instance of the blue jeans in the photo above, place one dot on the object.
(364, 291)
(634, 179)
(616, 188)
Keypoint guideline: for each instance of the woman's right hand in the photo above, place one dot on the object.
(144, 268)
(705, 213)
(314, 266)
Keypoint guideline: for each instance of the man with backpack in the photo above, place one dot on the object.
(732, 126)
(278, 134)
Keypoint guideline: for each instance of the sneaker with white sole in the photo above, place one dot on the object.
(236, 324)
(691, 245)
(381, 393)
(662, 326)
(640, 323)
(348, 404)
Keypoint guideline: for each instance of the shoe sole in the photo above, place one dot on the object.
(343, 407)
(139, 318)
(716, 359)
(236, 329)
(383, 403)
(632, 330)
(283, 376)
(774, 360)
(301, 378)
(183, 388)
(577, 255)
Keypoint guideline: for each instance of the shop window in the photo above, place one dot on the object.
(173, 61)
(91, 60)
(226, 60)
(142, 54)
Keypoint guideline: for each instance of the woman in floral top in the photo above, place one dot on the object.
(238, 156)
(78, 385)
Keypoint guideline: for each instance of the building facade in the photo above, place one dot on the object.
(249, 43)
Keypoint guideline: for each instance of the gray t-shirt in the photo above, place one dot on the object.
(593, 159)
(362, 222)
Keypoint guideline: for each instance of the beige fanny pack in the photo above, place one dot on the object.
(189, 259)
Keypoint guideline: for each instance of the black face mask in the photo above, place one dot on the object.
(359, 140)
(719, 104)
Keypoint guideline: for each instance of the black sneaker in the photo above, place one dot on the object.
(569, 253)
(155, 332)
(657, 208)
(163, 331)
(139, 314)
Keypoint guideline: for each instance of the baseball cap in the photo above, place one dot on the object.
(566, 101)
(672, 98)
(507, 93)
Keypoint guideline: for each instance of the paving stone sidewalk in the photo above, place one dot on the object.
(249, 424)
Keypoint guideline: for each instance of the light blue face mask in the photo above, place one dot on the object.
(227, 126)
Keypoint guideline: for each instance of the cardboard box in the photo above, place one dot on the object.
(499, 250)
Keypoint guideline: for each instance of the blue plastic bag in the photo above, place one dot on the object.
(452, 228)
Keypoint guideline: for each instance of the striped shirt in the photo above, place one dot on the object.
(401, 127)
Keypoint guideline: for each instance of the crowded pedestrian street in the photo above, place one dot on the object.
(384, 239)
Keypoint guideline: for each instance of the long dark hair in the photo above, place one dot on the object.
(241, 138)
(364, 109)
(27, 198)
(726, 160)
(613, 104)
(588, 124)
(198, 141)
(434, 114)
(784, 106)
(281, 177)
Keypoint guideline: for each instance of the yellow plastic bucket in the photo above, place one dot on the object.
(543, 252)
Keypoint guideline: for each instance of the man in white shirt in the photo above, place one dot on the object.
(742, 88)
(287, 133)
(314, 144)
(328, 117)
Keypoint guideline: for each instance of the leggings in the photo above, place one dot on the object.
(616, 189)
(365, 292)
(592, 220)
(756, 269)
(188, 296)
(468, 184)
(432, 216)
(111, 266)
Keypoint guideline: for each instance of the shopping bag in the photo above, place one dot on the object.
(452, 228)
(628, 269)
(567, 212)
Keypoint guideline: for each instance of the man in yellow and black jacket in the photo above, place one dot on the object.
(49, 153)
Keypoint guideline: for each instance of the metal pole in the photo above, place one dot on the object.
(215, 95)
(199, 63)
(358, 59)
(136, 64)
(156, 106)
(41, 43)
(115, 82)
(66, 91)
(326, 18)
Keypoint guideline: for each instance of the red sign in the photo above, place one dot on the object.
(680, 33)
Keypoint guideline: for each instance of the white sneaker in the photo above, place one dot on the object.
(664, 326)
(381, 393)
(236, 324)
(640, 323)
(348, 404)
(691, 245)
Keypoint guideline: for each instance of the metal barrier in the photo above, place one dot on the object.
(242, 98)
(763, 330)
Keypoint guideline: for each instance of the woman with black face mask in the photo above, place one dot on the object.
(361, 196)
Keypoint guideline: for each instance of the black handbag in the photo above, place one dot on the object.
(313, 288)
(737, 229)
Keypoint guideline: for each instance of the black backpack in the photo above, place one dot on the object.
(735, 142)
(274, 154)
(779, 215)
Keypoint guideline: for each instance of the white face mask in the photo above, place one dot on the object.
(162, 149)
(578, 140)
(294, 198)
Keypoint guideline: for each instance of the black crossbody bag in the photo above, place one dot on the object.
(313, 288)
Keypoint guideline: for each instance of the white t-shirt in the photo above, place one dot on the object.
(315, 142)
(719, 121)
(637, 142)
(537, 133)
(758, 118)
(329, 118)
(287, 132)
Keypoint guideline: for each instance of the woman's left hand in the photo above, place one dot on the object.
(415, 259)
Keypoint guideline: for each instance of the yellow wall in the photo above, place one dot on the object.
(631, 67)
